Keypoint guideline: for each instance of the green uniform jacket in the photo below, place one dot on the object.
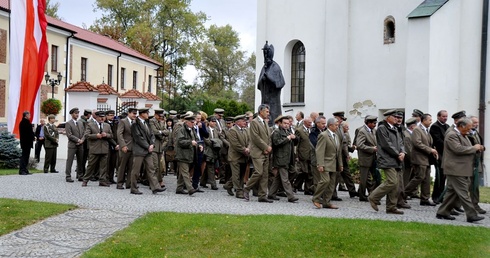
(51, 136)
(184, 151)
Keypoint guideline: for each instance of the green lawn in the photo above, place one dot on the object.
(485, 194)
(16, 214)
(15, 171)
(201, 235)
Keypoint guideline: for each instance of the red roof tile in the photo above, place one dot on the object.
(81, 87)
(105, 89)
(132, 93)
(91, 37)
(151, 96)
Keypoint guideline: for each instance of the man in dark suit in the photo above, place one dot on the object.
(329, 163)
(143, 145)
(260, 149)
(422, 150)
(50, 145)
(98, 135)
(75, 134)
(113, 146)
(283, 142)
(390, 155)
(437, 131)
(39, 139)
(458, 160)
(366, 151)
(26, 136)
(411, 123)
(125, 142)
(212, 148)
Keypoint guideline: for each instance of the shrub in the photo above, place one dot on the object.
(10, 152)
(354, 170)
(51, 106)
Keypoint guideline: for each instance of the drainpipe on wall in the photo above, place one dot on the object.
(117, 81)
(67, 65)
(483, 68)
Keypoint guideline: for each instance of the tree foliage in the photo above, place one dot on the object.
(10, 152)
(52, 9)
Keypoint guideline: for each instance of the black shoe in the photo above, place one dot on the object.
(273, 198)
(427, 203)
(55, 171)
(308, 192)
(395, 211)
(192, 191)
(199, 190)
(69, 180)
(203, 186)
(481, 211)
(404, 206)
(336, 199)
(282, 194)
(45, 172)
(182, 192)
(136, 192)
(214, 188)
(455, 213)
(265, 200)
(363, 199)
(294, 199)
(80, 179)
(439, 216)
(353, 194)
(475, 218)
(159, 190)
(120, 187)
(458, 209)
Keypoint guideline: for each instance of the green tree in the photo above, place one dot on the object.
(52, 9)
(248, 86)
(220, 63)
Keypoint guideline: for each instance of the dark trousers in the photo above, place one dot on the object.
(439, 182)
(37, 150)
(24, 160)
(196, 176)
(111, 165)
(50, 160)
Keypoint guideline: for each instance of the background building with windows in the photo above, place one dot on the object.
(364, 57)
(96, 70)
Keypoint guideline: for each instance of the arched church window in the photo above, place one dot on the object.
(389, 30)
(298, 73)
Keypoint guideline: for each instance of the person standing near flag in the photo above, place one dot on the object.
(26, 139)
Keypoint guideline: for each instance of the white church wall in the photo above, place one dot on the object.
(82, 100)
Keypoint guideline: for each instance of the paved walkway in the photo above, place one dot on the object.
(104, 210)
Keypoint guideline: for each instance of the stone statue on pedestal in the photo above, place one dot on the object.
(270, 83)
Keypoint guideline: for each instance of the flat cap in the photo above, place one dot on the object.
(51, 116)
(229, 119)
(390, 112)
(172, 112)
(339, 113)
(411, 121)
(459, 114)
(74, 110)
(143, 110)
(417, 113)
(110, 112)
(159, 111)
(370, 118)
(190, 117)
(239, 117)
(219, 110)
(399, 114)
(100, 113)
(132, 109)
(212, 119)
(88, 111)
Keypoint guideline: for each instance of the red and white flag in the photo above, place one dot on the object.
(28, 55)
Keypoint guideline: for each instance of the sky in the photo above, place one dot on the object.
(240, 14)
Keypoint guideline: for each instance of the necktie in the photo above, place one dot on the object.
(100, 126)
(335, 139)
